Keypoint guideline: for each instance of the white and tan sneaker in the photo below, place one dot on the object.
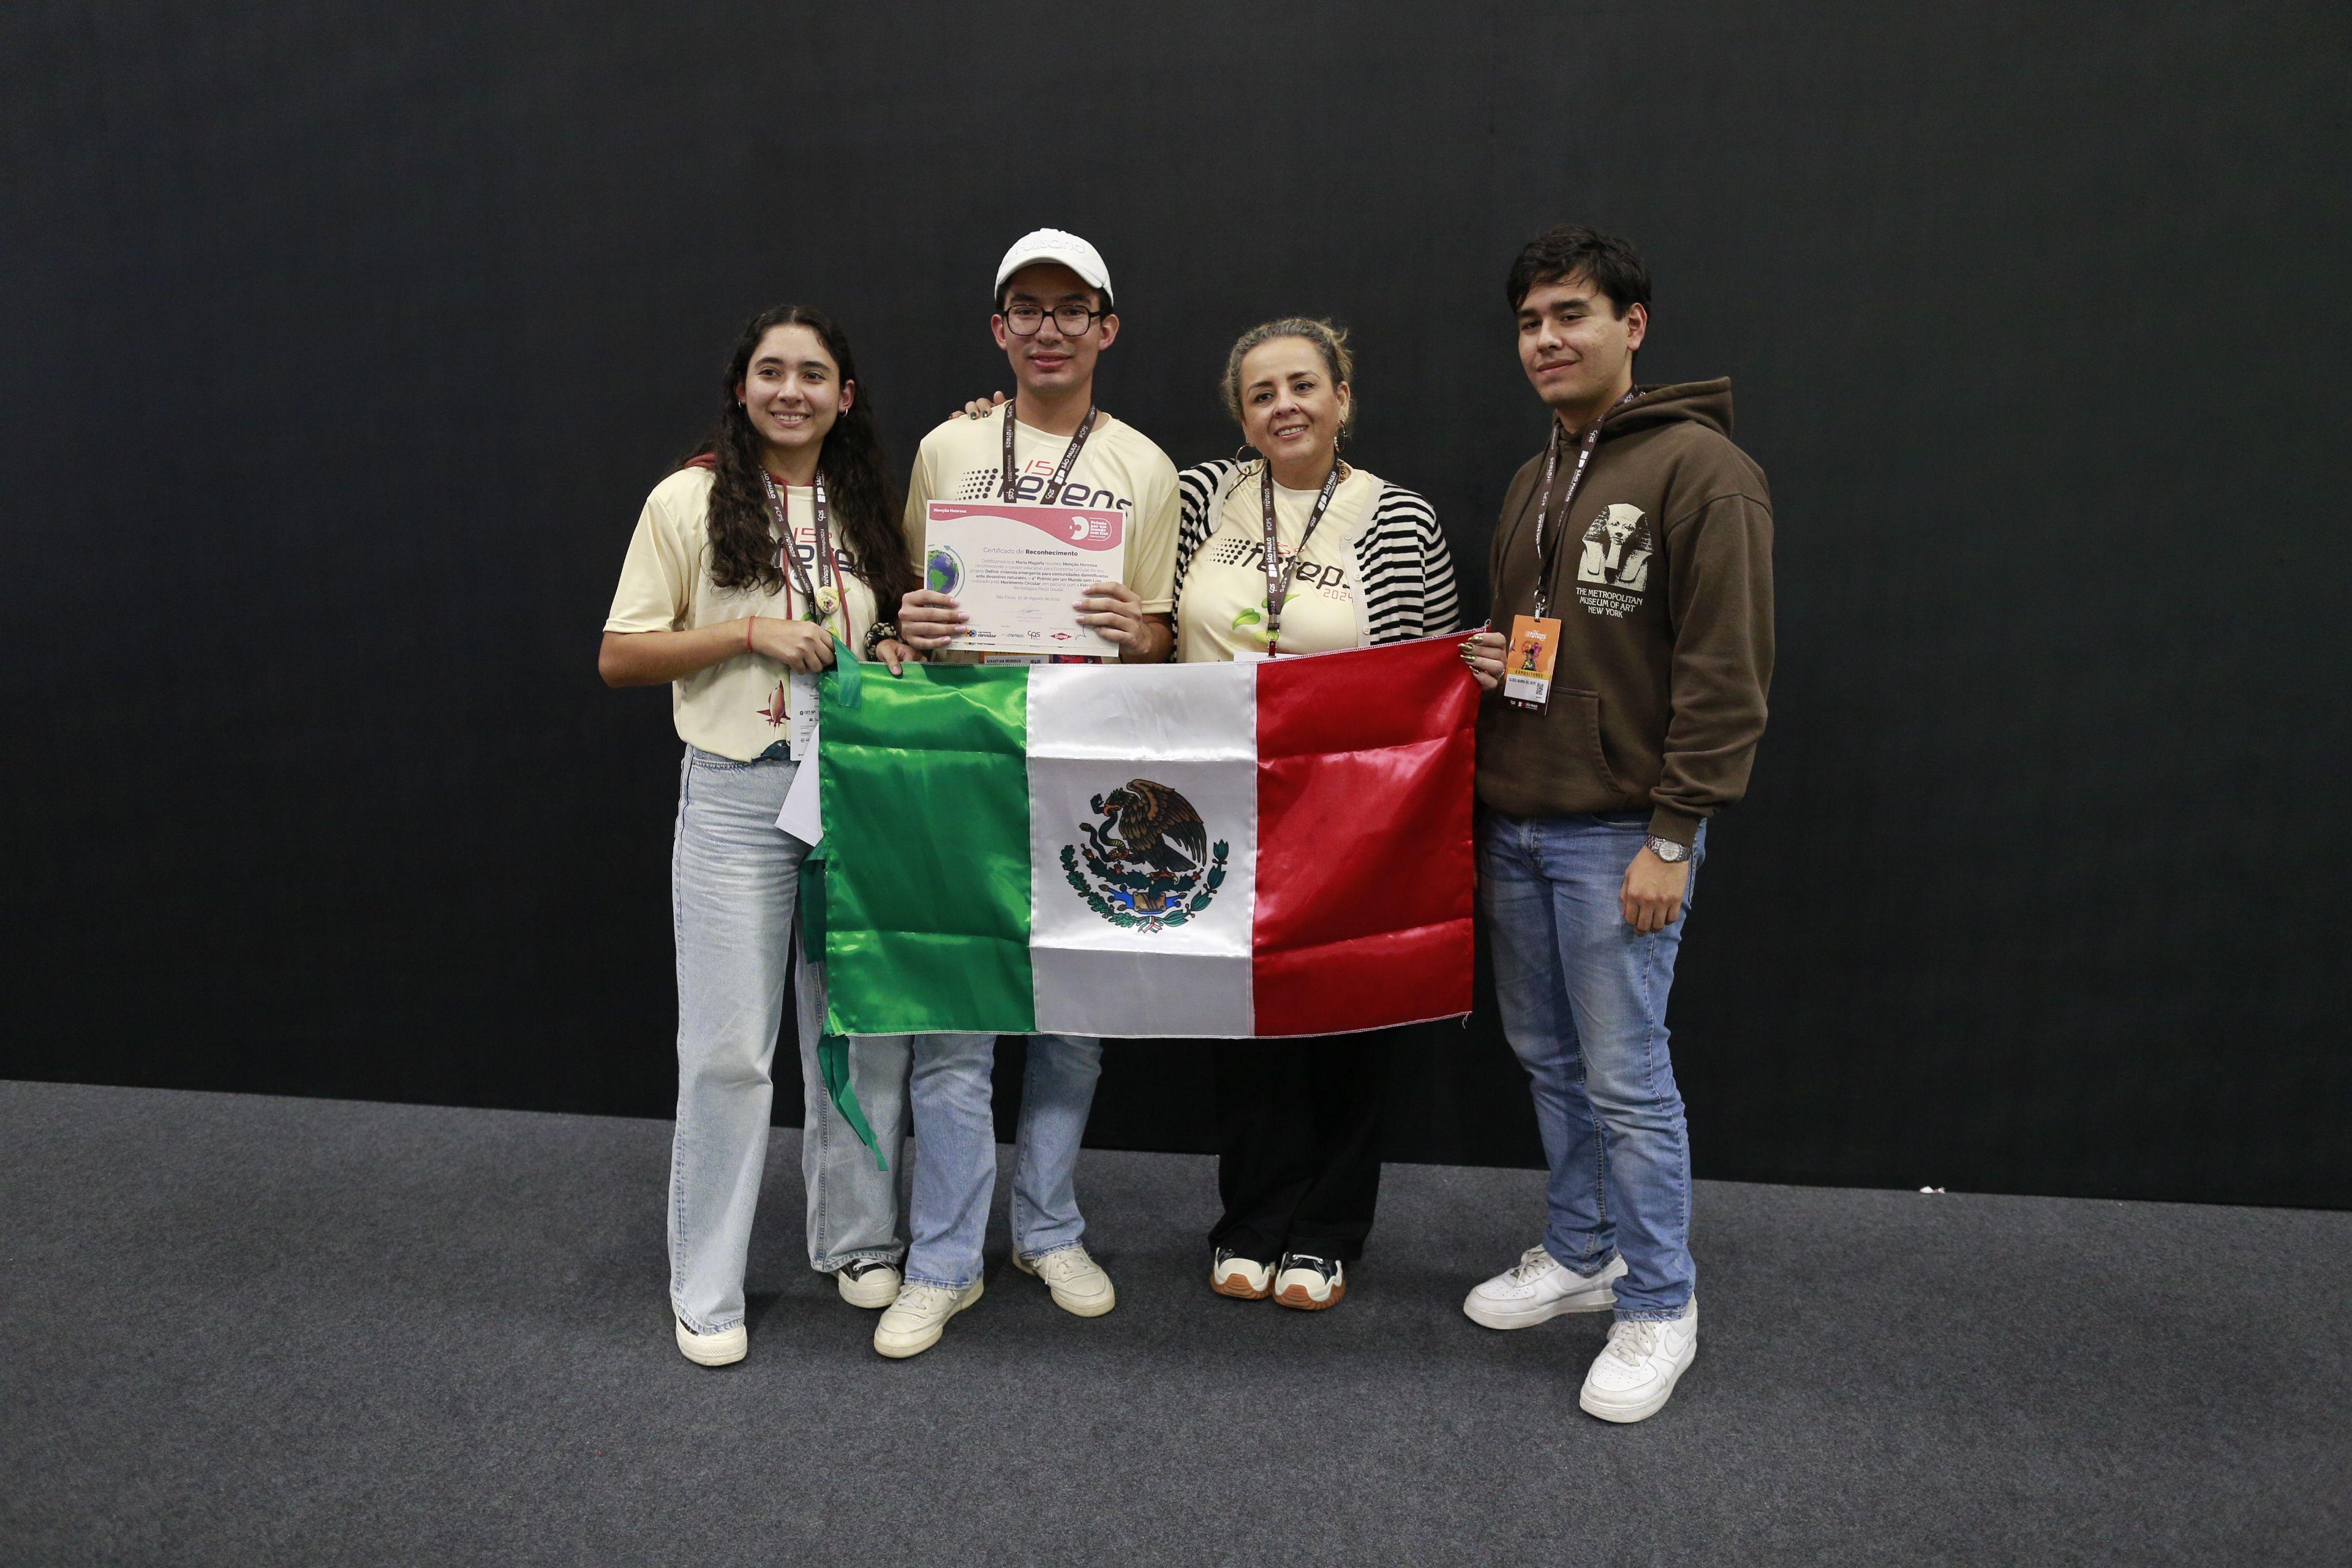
(722, 1349)
(1077, 1282)
(1535, 1290)
(914, 1322)
(1635, 1372)
(866, 1282)
(1242, 1278)
(1309, 1283)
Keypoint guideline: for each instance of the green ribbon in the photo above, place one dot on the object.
(845, 676)
(833, 1050)
(812, 902)
(832, 1060)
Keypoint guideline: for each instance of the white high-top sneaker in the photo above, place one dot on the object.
(914, 1322)
(1077, 1282)
(722, 1349)
(866, 1282)
(1636, 1373)
(1535, 1290)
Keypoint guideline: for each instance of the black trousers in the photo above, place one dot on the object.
(1298, 1143)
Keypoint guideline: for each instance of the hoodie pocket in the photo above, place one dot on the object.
(1584, 721)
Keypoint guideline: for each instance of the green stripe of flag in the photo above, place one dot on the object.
(926, 802)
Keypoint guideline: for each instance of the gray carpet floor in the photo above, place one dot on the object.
(238, 1329)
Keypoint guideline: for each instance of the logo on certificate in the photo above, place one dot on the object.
(942, 570)
(1147, 863)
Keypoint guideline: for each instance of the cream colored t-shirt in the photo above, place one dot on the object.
(963, 460)
(738, 707)
(1223, 613)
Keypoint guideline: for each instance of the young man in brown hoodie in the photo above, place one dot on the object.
(1633, 581)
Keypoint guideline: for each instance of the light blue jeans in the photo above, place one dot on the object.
(1583, 999)
(734, 884)
(955, 1149)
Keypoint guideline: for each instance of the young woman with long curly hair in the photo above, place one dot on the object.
(753, 566)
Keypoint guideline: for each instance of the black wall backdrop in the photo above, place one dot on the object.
(344, 340)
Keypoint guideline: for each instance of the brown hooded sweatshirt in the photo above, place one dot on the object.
(1664, 594)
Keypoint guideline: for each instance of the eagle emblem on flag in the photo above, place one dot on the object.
(1146, 862)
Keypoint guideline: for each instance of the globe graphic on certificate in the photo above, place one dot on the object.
(943, 571)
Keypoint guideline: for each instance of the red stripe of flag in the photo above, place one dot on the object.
(1365, 775)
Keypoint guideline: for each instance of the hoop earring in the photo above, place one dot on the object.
(1244, 462)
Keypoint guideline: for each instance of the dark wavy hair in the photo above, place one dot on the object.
(1566, 249)
(860, 493)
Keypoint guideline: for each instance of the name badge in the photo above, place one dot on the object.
(802, 737)
(1527, 663)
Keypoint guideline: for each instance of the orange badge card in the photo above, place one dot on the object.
(1527, 663)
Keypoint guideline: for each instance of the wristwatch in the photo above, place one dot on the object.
(1667, 849)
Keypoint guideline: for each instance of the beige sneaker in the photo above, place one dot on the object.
(1242, 1278)
(1309, 1283)
(721, 1349)
(915, 1322)
(1079, 1285)
(863, 1282)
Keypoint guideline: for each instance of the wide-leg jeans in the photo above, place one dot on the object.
(734, 881)
(1583, 999)
(1298, 1143)
(955, 1149)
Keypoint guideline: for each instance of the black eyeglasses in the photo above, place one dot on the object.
(1024, 321)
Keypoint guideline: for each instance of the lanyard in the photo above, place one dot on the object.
(1548, 562)
(1281, 570)
(1060, 471)
(816, 603)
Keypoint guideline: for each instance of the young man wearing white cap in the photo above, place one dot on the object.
(1054, 318)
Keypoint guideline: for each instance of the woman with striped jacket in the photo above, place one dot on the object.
(1355, 560)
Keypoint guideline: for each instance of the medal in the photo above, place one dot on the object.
(821, 597)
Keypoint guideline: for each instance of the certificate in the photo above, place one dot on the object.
(1017, 571)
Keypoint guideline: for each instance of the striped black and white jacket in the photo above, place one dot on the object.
(1400, 553)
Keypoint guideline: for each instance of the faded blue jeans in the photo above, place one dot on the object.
(955, 1149)
(734, 884)
(1583, 998)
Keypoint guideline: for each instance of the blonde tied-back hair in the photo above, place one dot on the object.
(1331, 341)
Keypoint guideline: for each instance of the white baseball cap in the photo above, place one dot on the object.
(1058, 246)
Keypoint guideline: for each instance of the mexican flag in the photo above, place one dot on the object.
(1224, 850)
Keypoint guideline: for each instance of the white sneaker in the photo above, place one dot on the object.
(1633, 1377)
(863, 1282)
(1079, 1284)
(1310, 1283)
(721, 1349)
(1242, 1278)
(1535, 1290)
(916, 1319)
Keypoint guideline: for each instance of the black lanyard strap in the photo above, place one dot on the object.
(1061, 470)
(1548, 560)
(815, 602)
(1280, 570)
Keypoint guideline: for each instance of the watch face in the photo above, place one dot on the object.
(1669, 851)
